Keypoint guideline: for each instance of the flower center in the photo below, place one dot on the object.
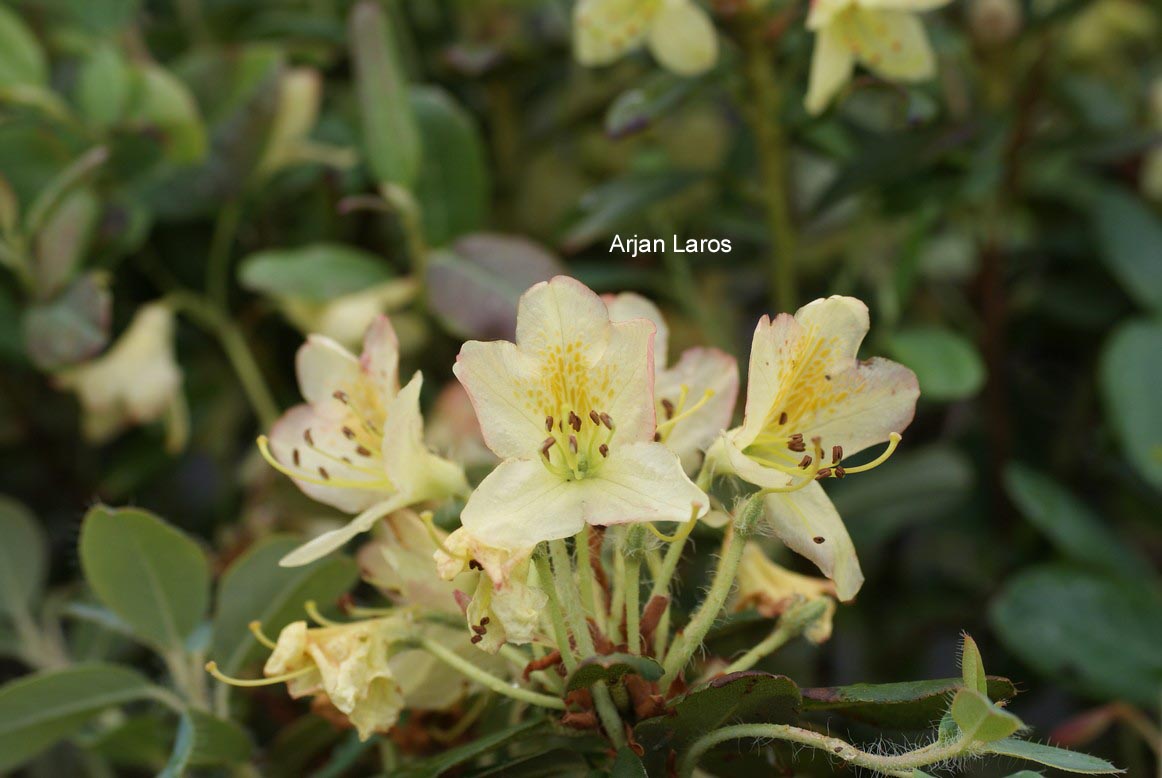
(576, 445)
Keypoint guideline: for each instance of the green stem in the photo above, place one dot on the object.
(556, 615)
(563, 572)
(691, 638)
(585, 574)
(520, 661)
(219, 324)
(791, 624)
(771, 147)
(898, 765)
(617, 603)
(633, 612)
(661, 586)
(488, 680)
(218, 261)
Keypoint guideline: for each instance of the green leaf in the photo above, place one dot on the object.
(639, 107)
(23, 557)
(54, 192)
(738, 697)
(317, 272)
(1070, 525)
(1130, 374)
(1096, 633)
(104, 86)
(71, 328)
(1050, 756)
(391, 134)
(611, 668)
(1128, 235)
(908, 705)
(980, 719)
(40, 709)
(474, 285)
(946, 364)
(972, 666)
(63, 242)
(150, 574)
(141, 741)
(255, 588)
(164, 103)
(453, 187)
(22, 60)
(435, 766)
(206, 740)
(627, 765)
(1025, 774)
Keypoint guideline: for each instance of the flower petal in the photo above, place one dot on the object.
(831, 64)
(561, 312)
(683, 39)
(604, 30)
(380, 358)
(808, 524)
(823, 12)
(622, 383)
(324, 367)
(892, 44)
(497, 377)
(522, 503)
(630, 305)
(699, 370)
(772, 350)
(324, 544)
(413, 469)
(640, 482)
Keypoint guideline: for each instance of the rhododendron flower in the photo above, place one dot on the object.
(570, 410)
(138, 380)
(771, 589)
(810, 403)
(695, 398)
(357, 443)
(885, 36)
(678, 32)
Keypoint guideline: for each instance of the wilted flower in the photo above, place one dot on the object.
(695, 398)
(357, 443)
(570, 409)
(810, 403)
(678, 32)
(772, 590)
(885, 36)
(137, 381)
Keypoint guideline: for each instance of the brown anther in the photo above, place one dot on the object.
(295, 457)
(782, 418)
(308, 438)
(595, 418)
(657, 437)
(548, 424)
(824, 473)
(363, 451)
(323, 472)
(573, 443)
(484, 621)
(819, 539)
(476, 639)
(669, 408)
(546, 445)
(474, 565)
(798, 446)
(607, 420)
(603, 449)
(574, 421)
(349, 433)
(806, 461)
(797, 436)
(836, 454)
(479, 630)
(839, 471)
(341, 396)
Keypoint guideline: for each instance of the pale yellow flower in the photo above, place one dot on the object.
(346, 318)
(299, 94)
(137, 381)
(885, 36)
(357, 443)
(695, 397)
(772, 590)
(679, 33)
(811, 402)
(570, 409)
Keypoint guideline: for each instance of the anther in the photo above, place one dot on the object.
(607, 420)
(782, 418)
(604, 449)
(824, 473)
(593, 417)
(805, 462)
(484, 621)
(819, 539)
(798, 446)
(474, 565)
(669, 408)
(363, 451)
(307, 437)
(341, 396)
(323, 473)
(548, 444)
(836, 454)
(295, 457)
(349, 433)
(839, 471)
(574, 421)
(479, 630)
(476, 639)
(548, 424)
(573, 443)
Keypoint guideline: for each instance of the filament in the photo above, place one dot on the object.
(260, 636)
(313, 611)
(893, 441)
(667, 425)
(430, 525)
(212, 669)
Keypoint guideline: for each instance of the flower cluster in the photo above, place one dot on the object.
(597, 438)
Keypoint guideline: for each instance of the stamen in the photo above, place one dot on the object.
(603, 449)
(255, 628)
(428, 518)
(836, 454)
(782, 418)
(805, 462)
(212, 669)
(363, 451)
(573, 443)
(307, 437)
(839, 471)
(669, 424)
(893, 441)
(669, 408)
(593, 417)
(264, 448)
(313, 611)
(607, 420)
(476, 639)
(348, 433)
(798, 446)
(548, 424)
(574, 421)
(824, 473)
(548, 444)
(341, 396)
(323, 473)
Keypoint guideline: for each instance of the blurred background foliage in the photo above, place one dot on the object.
(281, 167)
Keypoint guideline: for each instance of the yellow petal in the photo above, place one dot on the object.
(683, 39)
(630, 305)
(809, 525)
(604, 30)
(831, 65)
(893, 44)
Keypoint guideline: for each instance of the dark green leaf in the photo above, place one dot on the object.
(255, 588)
(434, 766)
(23, 557)
(907, 705)
(947, 365)
(638, 107)
(38, 710)
(627, 765)
(104, 86)
(150, 574)
(1130, 373)
(71, 328)
(1072, 527)
(22, 60)
(1096, 633)
(318, 272)
(1129, 235)
(611, 668)
(1059, 758)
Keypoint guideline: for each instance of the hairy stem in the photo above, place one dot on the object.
(662, 581)
(633, 612)
(488, 680)
(791, 625)
(560, 632)
(585, 576)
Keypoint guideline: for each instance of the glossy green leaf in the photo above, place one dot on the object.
(22, 60)
(1128, 235)
(70, 328)
(1086, 630)
(611, 668)
(972, 666)
(23, 557)
(453, 187)
(40, 709)
(255, 588)
(947, 365)
(1130, 374)
(474, 285)
(908, 705)
(1073, 528)
(391, 133)
(316, 272)
(1058, 758)
(147, 572)
(435, 766)
(980, 719)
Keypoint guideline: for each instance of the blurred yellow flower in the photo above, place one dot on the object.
(679, 33)
(885, 36)
(772, 590)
